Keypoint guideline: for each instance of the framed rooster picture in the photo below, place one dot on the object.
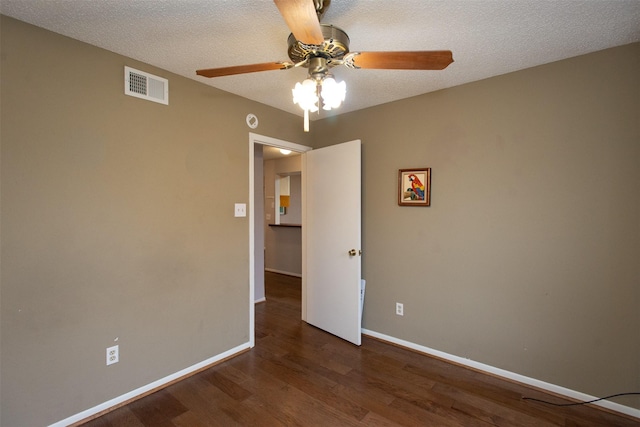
(414, 187)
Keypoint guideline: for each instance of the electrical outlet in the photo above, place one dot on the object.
(113, 355)
(399, 309)
(240, 209)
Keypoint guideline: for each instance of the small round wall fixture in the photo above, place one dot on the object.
(252, 121)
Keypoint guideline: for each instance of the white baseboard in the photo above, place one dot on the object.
(507, 374)
(149, 387)
(286, 273)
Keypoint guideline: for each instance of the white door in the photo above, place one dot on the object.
(332, 239)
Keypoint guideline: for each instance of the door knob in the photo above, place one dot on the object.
(352, 252)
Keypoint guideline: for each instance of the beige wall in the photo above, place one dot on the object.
(117, 222)
(528, 258)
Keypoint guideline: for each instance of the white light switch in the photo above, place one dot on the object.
(241, 209)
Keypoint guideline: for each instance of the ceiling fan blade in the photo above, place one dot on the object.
(412, 60)
(302, 20)
(242, 69)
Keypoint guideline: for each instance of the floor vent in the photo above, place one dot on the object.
(146, 86)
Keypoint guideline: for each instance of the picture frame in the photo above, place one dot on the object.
(414, 187)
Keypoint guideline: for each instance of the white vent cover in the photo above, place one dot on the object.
(146, 86)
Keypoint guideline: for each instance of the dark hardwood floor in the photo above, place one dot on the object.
(300, 375)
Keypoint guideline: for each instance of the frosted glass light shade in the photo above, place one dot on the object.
(305, 95)
(333, 93)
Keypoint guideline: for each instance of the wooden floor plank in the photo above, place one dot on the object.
(423, 417)
(158, 409)
(203, 400)
(299, 375)
(121, 417)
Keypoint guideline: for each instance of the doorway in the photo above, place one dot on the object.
(256, 218)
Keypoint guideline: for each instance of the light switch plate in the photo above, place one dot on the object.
(240, 209)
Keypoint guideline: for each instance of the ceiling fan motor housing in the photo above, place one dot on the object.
(335, 46)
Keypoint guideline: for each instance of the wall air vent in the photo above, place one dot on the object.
(146, 86)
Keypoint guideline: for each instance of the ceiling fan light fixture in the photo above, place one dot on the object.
(333, 93)
(285, 151)
(305, 94)
(308, 93)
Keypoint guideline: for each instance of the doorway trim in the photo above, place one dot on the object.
(255, 138)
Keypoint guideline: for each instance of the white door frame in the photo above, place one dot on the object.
(254, 138)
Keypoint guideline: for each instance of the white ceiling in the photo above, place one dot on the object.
(487, 38)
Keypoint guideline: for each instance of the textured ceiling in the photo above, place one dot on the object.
(487, 37)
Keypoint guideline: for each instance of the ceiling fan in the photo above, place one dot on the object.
(320, 47)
